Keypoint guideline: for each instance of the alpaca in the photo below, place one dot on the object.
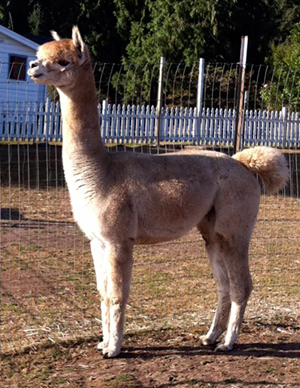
(121, 199)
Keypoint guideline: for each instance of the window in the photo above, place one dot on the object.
(17, 67)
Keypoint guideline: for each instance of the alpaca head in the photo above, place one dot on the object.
(58, 61)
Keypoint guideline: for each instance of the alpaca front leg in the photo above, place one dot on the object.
(119, 262)
(105, 323)
(98, 253)
(117, 315)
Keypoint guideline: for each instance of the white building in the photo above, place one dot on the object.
(16, 52)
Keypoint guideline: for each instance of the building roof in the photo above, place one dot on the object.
(19, 38)
(38, 39)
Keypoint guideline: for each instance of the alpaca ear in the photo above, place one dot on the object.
(55, 35)
(78, 43)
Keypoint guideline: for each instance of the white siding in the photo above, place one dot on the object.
(13, 90)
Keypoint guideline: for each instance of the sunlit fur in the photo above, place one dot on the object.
(122, 199)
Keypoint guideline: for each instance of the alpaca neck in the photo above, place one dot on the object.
(81, 128)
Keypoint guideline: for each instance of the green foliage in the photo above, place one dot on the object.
(179, 30)
(53, 93)
(184, 31)
(141, 31)
(35, 19)
(283, 89)
(138, 84)
(13, 15)
(287, 15)
(3, 13)
(96, 19)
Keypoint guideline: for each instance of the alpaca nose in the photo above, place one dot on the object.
(33, 64)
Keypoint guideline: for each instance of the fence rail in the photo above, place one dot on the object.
(35, 122)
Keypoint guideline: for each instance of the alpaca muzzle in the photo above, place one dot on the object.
(34, 71)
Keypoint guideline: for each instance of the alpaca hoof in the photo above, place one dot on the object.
(102, 345)
(110, 353)
(206, 341)
(223, 348)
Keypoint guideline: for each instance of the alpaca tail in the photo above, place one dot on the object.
(268, 163)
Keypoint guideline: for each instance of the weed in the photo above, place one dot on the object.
(123, 380)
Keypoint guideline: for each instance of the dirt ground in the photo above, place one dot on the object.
(47, 281)
(267, 355)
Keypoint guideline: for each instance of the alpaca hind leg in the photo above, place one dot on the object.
(240, 290)
(221, 316)
(97, 249)
(119, 259)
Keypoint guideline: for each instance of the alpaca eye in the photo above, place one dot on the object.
(63, 63)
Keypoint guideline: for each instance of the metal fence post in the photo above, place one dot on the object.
(159, 100)
(200, 91)
(239, 109)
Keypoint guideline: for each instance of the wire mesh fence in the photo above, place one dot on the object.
(196, 108)
(48, 285)
(48, 288)
(266, 87)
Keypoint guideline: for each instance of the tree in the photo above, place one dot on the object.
(13, 15)
(184, 30)
(96, 20)
(286, 15)
(35, 19)
(283, 88)
(138, 32)
(180, 30)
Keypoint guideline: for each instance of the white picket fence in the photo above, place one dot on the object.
(33, 122)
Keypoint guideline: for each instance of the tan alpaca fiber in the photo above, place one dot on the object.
(122, 199)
